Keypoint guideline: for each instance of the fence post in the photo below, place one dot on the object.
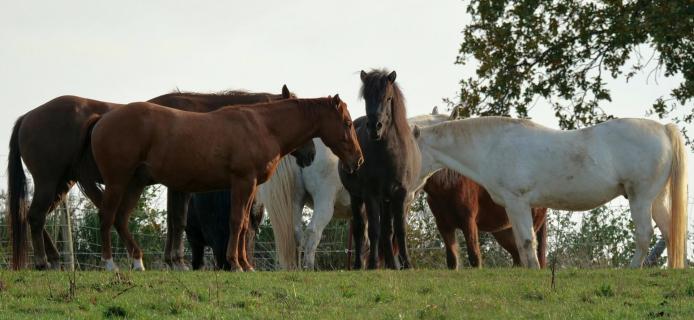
(66, 234)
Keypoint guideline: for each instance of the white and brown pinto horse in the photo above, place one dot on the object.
(524, 165)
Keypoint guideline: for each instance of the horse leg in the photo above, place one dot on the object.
(299, 194)
(197, 249)
(522, 223)
(241, 202)
(373, 213)
(399, 217)
(177, 205)
(41, 204)
(472, 241)
(643, 232)
(127, 205)
(506, 241)
(446, 230)
(51, 251)
(357, 230)
(448, 236)
(111, 201)
(323, 206)
(244, 241)
(541, 234)
(386, 239)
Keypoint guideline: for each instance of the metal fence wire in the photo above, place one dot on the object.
(568, 240)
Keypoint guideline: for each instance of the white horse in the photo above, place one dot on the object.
(317, 186)
(524, 165)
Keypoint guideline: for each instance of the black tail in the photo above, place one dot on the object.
(88, 175)
(17, 193)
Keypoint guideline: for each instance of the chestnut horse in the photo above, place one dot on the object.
(459, 203)
(237, 146)
(51, 140)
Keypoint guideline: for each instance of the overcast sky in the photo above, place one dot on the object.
(127, 51)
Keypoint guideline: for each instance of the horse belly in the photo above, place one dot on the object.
(576, 199)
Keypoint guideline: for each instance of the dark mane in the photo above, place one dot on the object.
(223, 93)
(374, 87)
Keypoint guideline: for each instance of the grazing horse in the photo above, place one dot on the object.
(237, 146)
(523, 164)
(460, 203)
(57, 130)
(208, 225)
(389, 177)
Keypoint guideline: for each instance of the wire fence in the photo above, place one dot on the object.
(570, 239)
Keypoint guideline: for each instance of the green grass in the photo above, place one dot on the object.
(418, 294)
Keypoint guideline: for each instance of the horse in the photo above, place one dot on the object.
(57, 130)
(208, 225)
(523, 164)
(237, 146)
(460, 203)
(388, 178)
(317, 186)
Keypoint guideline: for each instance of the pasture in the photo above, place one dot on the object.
(494, 293)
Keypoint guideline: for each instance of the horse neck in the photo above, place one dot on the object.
(399, 131)
(442, 150)
(293, 123)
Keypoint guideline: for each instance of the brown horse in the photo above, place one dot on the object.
(237, 146)
(51, 140)
(459, 203)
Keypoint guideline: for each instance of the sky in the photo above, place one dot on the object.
(128, 51)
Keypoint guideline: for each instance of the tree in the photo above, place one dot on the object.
(563, 50)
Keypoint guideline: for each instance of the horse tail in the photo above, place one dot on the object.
(678, 199)
(17, 194)
(277, 194)
(541, 234)
(87, 172)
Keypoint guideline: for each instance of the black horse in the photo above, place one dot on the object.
(208, 225)
(391, 167)
(208, 219)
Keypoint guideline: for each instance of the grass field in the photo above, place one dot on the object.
(419, 294)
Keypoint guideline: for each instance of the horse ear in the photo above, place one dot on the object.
(363, 76)
(391, 77)
(336, 101)
(435, 111)
(415, 132)
(285, 92)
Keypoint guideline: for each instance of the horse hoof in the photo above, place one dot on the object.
(250, 269)
(110, 265)
(138, 265)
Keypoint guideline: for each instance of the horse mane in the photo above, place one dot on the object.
(374, 85)
(446, 177)
(467, 127)
(223, 93)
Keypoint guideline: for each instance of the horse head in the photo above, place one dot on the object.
(340, 136)
(380, 93)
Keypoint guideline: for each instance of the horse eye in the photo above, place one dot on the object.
(348, 123)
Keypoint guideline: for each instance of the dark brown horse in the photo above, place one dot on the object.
(385, 183)
(237, 146)
(51, 140)
(459, 203)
